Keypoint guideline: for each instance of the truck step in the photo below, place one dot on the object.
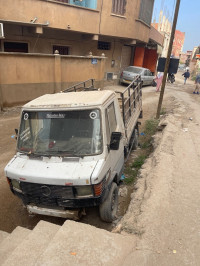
(33, 246)
(3, 235)
(11, 242)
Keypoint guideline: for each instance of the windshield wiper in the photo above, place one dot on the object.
(31, 154)
(64, 153)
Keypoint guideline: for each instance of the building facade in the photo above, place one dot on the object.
(178, 43)
(112, 29)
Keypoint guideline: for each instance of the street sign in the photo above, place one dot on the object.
(94, 61)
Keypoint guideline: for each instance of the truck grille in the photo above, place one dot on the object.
(45, 194)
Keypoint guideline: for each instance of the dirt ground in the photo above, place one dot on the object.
(164, 211)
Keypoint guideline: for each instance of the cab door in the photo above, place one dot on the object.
(115, 157)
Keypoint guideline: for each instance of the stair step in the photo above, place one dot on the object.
(3, 235)
(33, 246)
(12, 241)
(82, 244)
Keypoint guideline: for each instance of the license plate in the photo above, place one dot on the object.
(127, 81)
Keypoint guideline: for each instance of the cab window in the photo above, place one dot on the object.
(111, 122)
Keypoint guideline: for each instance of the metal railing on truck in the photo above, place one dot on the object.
(86, 85)
(130, 98)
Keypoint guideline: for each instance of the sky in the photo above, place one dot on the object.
(188, 19)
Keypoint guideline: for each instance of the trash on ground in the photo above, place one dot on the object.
(13, 136)
(174, 251)
(185, 129)
(123, 192)
(142, 134)
(73, 253)
(122, 177)
(190, 118)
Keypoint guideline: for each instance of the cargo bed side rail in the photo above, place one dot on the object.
(86, 85)
(130, 99)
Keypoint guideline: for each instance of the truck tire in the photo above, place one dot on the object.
(108, 209)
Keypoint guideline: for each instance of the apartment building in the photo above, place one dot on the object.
(118, 30)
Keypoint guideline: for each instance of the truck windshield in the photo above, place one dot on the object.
(61, 133)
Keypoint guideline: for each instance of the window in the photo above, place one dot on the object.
(146, 9)
(84, 3)
(119, 7)
(111, 122)
(63, 50)
(17, 47)
(104, 45)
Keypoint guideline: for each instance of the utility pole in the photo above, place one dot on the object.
(168, 58)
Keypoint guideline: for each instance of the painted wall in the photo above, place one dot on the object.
(178, 43)
(28, 76)
(79, 19)
(77, 43)
(59, 15)
(125, 26)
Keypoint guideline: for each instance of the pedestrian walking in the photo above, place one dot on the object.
(186, 76)
(197, 82)
(158, 80)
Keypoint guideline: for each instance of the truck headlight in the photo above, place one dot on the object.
(84, 191)
(16, 185)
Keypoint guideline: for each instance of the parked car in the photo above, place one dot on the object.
(129, 73)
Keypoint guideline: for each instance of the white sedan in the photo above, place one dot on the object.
(129, 73)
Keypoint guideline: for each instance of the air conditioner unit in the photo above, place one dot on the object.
(109, 75)
(1, 31)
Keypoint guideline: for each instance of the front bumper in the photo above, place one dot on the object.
(68, 214)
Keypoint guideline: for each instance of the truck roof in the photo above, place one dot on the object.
(71, 99)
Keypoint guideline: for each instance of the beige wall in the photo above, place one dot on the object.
(58, 15)
(78, 45)
(27, 76)
(80, 19)
(125, 26)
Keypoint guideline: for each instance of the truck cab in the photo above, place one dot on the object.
(70, 154)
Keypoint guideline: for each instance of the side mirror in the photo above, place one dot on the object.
(115, 140)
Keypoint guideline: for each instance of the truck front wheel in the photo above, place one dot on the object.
(108, 209)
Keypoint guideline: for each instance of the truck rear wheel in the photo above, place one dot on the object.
(108, 209)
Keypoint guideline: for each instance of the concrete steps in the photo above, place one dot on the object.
(33, 246)
(11, 242)
(3, 235)
(81, 244)
(71, 244)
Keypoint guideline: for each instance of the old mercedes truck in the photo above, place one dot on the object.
(71, 149)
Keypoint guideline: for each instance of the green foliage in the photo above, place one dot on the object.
(163, 111)
(131, 170)
(151, 127)
(131, 175)
(139, 161)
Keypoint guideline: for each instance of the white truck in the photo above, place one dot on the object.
(71, 149)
